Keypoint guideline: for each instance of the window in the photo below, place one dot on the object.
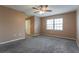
(49, 24)
(54, 24)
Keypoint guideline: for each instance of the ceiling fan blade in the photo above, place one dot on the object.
(46, 5)
(48, 10)
(43, 6)
(35, 8)
(36, 11)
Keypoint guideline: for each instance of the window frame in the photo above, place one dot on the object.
(55, 25)
(50, 24)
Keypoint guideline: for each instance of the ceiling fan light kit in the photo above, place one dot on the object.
(41, 12)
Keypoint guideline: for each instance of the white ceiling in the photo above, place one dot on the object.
(56, 9)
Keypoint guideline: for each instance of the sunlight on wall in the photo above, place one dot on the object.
(27, 24)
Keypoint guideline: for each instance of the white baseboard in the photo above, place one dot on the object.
(36, 35)
(60, 37)
(77, 41)
(11, 40)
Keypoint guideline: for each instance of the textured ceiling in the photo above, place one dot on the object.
(56, 9)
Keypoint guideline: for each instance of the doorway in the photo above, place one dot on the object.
(27, 27)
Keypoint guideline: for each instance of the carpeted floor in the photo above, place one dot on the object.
(41, 44)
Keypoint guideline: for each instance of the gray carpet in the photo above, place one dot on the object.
(41, 44)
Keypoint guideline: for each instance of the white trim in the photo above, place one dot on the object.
(61, 37)
(77, 42)
(65, 37)
(11, 40)
(36, 35)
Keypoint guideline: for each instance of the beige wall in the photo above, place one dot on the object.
(37, 25)
(77, 28)
(69, 20)
(12, 24)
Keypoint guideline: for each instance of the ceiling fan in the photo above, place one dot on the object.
(41, 9)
